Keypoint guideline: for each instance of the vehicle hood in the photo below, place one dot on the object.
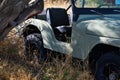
(106, 27)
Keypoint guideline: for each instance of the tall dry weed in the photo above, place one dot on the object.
(14, 66)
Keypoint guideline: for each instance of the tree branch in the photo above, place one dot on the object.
(18, 15)
(31, 11)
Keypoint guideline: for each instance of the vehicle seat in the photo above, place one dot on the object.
(58, 18)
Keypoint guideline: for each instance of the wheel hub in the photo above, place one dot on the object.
(112, 76)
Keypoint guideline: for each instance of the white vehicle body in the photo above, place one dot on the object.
(94, 36)
(86, 34)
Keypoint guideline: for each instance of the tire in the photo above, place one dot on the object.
(34, 47)
(108, 67)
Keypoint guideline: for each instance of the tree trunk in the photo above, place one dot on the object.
(13, 12)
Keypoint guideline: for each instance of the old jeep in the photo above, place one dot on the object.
(93, 35)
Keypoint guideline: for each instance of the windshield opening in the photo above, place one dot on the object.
(97, 3)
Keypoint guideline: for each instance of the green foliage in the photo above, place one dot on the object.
(100, 2)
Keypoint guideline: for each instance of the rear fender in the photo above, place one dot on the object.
(49, 40)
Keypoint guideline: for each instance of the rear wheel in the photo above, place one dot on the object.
(108, 67)
(34, 49)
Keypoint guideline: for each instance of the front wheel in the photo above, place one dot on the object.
(34, 47)
(108, 67)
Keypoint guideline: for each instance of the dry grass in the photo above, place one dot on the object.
(14, 66)
(57, 4)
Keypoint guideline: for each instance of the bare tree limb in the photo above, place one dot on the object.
(30, 11)
(13, 13)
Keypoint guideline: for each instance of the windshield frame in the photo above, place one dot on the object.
(93, 11)
(107, 3)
